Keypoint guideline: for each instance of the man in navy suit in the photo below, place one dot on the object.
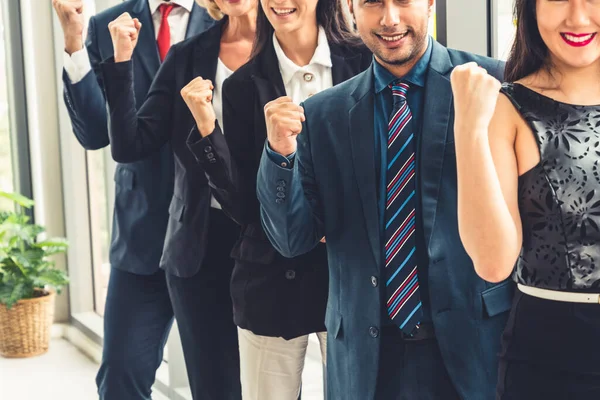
(138, 314)
(370, 165)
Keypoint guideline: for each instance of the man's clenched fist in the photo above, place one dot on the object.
(70, 14)
(284, 122)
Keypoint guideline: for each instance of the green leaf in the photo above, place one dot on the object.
(52, 277)
(19, 199)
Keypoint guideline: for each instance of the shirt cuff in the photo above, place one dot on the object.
(282, 161)
(77, 65)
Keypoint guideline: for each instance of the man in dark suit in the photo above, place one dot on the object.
(375, 173)
(138, 314)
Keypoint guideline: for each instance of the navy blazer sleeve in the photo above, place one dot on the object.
(230, 160)
(85, 100)
(134, 135)
(291, 211)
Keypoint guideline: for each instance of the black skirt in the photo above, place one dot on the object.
(550, 351)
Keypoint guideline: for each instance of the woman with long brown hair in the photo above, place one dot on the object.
(301, 48)
(529, 193)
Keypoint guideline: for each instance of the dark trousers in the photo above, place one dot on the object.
(550, 351)
(137, 320)
(204, 314)
(411, 370)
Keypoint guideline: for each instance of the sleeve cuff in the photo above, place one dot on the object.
(282, 161)
(77, 65)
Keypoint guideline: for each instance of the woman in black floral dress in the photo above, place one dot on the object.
(529, 193)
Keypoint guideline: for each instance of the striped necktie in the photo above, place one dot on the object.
(402, 282)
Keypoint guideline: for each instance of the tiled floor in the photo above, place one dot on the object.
(64, 373)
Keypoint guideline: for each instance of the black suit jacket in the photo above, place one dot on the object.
(272, 295)
(144, 188)
(164, 118)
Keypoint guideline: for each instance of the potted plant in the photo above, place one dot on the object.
(28, 282)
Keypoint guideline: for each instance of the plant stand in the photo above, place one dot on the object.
(25, 328)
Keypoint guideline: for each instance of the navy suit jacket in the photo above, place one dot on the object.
(143, 189)
(331, 191)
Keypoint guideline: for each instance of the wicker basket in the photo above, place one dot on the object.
(25, 328)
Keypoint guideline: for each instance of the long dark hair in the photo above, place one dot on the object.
(330, 16)
(529, 53)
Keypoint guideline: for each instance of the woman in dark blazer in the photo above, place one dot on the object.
(199, 235)
(277, 301)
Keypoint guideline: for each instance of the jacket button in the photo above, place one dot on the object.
(284, 164)
(374, 281)
(290, 274)
(374, 332)
(280, 188)
(210, 156)
(281, 183)
(279, 201)
(281, 195)
(212, 160)
(207, 149)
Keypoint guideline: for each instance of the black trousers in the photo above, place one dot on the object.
(411, 370)
(204, 314)
(137, 320)
(551, 351)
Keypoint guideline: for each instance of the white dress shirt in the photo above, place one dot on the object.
(217, 101)
(302, 82)
(77, 65)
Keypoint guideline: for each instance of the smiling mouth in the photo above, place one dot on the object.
(283, 11)
(578, 40)
(393, 38)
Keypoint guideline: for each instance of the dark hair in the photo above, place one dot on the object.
(330, 16)
(529, 53)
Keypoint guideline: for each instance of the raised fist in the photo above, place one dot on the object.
(70, 15)
(284, 122)
(198, 96)
(125, 32)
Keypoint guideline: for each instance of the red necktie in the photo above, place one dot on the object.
(164, 33)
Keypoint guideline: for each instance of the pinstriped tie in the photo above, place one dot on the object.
(402, 282)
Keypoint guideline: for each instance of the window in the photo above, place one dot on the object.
(6, 166)
(505, 34)
(98, 164)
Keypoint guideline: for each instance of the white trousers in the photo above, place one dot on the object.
(271, 367)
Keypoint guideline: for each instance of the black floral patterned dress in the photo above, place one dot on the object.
(551, 350)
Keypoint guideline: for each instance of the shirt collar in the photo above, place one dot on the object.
(288, 68)
(415, 77)
(186, 4)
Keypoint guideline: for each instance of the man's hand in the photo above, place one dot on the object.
(70, 14)
(284, 122)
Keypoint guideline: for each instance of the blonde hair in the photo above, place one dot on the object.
(213, 9)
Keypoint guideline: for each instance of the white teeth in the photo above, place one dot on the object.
(579, 39)
(392, 38)
(284, 11)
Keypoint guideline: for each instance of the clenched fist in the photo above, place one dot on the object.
(70, 14)
(125, 32)
(284, 122)
(198, 96)
(475, 98)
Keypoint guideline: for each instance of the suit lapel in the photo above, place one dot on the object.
(362, 143)
(343, 68)
(146, 51)
(206, 53)
(267, 77)
(436, 121)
